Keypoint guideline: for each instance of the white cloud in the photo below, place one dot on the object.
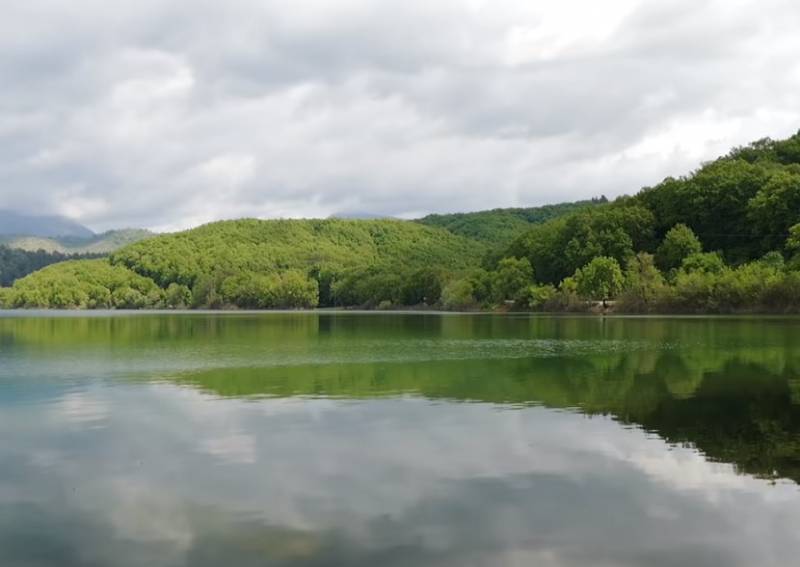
(169, 114)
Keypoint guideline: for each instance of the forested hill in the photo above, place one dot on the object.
(260, 264)
(500, 226)
(741, 206)
(724, 238)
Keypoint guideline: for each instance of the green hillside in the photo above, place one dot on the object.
(500, 226)
(261, 264)
(725, 238)
(741, 205)
(89, 284)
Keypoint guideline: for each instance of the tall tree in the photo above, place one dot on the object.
(679, 243)
(512, 278)
(601, 279)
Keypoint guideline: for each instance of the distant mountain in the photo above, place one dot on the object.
(104, 243)
(51, 226)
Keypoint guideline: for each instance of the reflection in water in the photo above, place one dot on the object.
(307, 439)
(733, 411)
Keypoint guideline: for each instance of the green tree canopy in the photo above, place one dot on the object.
(600, 279)
(679, 243)
(643, 282)
(793, 242)
(512, 278)
(705, 262)
(775, 208)
(458, 294)
(423, 286)
(559, 247)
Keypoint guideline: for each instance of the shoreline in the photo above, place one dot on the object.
(32, 312)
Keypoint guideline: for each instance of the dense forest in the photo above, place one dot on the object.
(262, 264)
(498, 227)
(16, 263)
(725, 238)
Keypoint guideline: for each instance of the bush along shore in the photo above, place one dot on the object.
(724, 239)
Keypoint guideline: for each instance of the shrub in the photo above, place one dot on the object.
(644, 284)
(458, 294)
(539, 297)
(707, 262)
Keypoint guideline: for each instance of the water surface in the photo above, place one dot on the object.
(309, 439)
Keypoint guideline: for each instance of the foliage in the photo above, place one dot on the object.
(458, 294)
(600, 279)
(539, 297)
(560, 247)
(423, 286)
(785, 152)
(705, 284)
(741, 205)
(499, 227)
(177, 296)
(775, 208)
(703, 262)
(713, 203)
(774, 260)
(367, 288)
(724, 290)
(342, 262)
(512, 279)
(16, 263)
(644, 284)
(82, 284)
(679, 243)
(481, 281)
(793, 242)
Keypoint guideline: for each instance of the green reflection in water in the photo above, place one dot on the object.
(731, 387)
(193, 439)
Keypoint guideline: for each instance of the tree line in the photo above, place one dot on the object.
(16, 263)
(725, 238)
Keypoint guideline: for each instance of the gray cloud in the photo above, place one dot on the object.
(165, 115)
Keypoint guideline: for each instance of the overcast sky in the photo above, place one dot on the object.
(166, 114)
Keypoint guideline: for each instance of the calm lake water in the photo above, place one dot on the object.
(310, 439)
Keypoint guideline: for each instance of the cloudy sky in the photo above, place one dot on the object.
(168, 114)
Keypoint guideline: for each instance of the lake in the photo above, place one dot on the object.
(364, 439)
